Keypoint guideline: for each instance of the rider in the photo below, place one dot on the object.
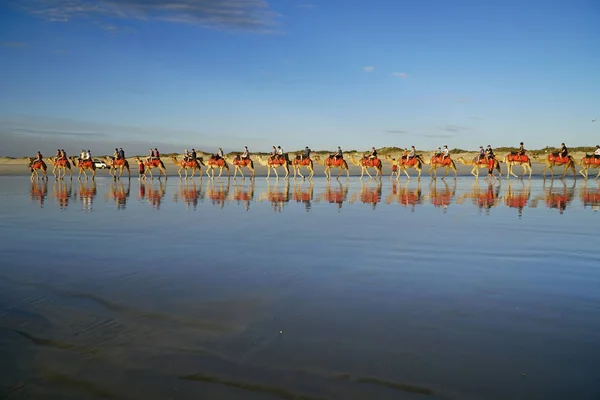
(564, 152)
(82, 155)
(186, 155)
(597, 152)
(246, 153)
(338, 154)
(438, 152)
(373, 154)
(121, 153)
(116, 154)
(63, 154)
(156, 153)
(38, 156)
(445, 152)
(192, 155)
(481, 154)
(88, 155)
(306, 153)
(219, 154)
(411, 154)
(57, 156)
(279, 153)
(150, 155)
(273, 153)
(521, 151)
(489, 153)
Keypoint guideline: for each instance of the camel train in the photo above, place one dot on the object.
(371, 166)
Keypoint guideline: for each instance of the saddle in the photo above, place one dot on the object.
(516, 157)
(86, 163)
(370, 162)
(406, 161)
(440, 160)
(332, 162)
(591, 159)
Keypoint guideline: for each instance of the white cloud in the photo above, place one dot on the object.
(368, 69)
(402, 75)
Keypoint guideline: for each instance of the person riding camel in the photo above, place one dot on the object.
(521, 151)
(481, 154)
(438, 152)
(373, 154)
(63, 154)
(246, 153)
(192, 155)
(57, 156)
(489, 153)
(306, 153)
(186, 155)
(38, 157)
(411, 154)
(339, 154)
(88, 155)
(597, 152)
(156, 154)
(150, 155)
(273, 154)
(121, 153)
(116, 154)
(219, 154)
(82, 155)
(564, 152)
(279, 153)
(445, 152)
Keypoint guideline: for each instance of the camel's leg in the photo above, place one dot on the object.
(510, 170)
(367, 171)
(276, 173)
(582, 174)
(406, 173)
(597, 176)
(475, 174)
(179, 172)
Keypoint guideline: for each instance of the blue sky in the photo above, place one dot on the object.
(208, 73)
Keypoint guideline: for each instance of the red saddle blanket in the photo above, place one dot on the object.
(152, 163)
(591, 161)
(186, 164)
(118, 163)
(440, 160)
(87, 164)
(61, 163)
(518, 158)
(558, 159)
(277, 161)
(219, 163)
(409, 163)
(305, 161)
(370, 162)
(333, 162)
(37, 164)
(242, 162)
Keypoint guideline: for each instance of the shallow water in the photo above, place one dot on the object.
(327, 290)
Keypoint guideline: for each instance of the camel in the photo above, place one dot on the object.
(119, 164)
(552, 160)
(189, 194)
(416, 163)
(330, 162)
(515, 159)
(278, 198)
(517, 198)
(34, 166)
(556, 199)
(368, 195)
(84, 165)
(213, 164)
(477, 165)
(185, 165)
(365, 163)
(274, 163)
(62, 193)
(304, 196)
(437, 162)
(334, 196)
(154, 163)
(238, 163)
(39, 191)
(298, 164)
(62, 165)
(405, 196)
(587, 163)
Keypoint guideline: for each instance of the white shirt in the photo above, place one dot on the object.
(82, 155)
(446, 151)
(220, 153)
(88, 155)
(597, 152)
(280, 151)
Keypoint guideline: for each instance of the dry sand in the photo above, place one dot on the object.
(18, 166)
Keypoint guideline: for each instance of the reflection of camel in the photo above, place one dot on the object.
(278, 197)
(337, 195)
(189, 194)
(39, 191)
(590, 197)
(365, 163)
(556, 199)
(476, 166)
(154, 163)
(303, 196)
(154, 196)
(40, 165)
(62, 193)
(482, 198)
(298, 164)
(441, 198)
(185, 165)
(83, 166)
(62, 165)
(405, 196)
(242, 195)
(330, 162)
(274, 163)
(213, 164)
(238, 163)
(119, 164)
(515, 159)
(403, 165)
(119, 194)
(517, 197)
(437, 162)
(87, 194)
(368, 195)
(217, 195)
(553, 161)
(587, 163)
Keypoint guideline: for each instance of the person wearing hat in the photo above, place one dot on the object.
(411, 154)
(481, 155)
(338, 154)
(521, 151)
(306, 153)
(246, 153)
(489, 153)
(564, 152)
(121, 153)
(445, 152)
